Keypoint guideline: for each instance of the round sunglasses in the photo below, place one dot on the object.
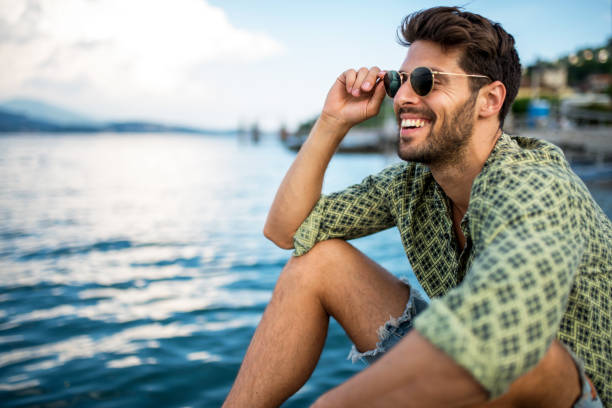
(421, 79)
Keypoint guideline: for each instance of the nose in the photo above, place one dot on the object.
(405, 95)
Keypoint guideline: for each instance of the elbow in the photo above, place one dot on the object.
(284, 241)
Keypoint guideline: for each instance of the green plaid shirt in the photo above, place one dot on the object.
(537, 263)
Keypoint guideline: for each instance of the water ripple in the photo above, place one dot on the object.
(126, 342)
(101, 246)
(193, 262)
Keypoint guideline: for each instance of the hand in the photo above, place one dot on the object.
(355, 96)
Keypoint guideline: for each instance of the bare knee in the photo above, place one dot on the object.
(324, 252)
(323, 256)
(310, 270)
(335, 271)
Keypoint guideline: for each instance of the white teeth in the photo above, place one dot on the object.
(413, 123)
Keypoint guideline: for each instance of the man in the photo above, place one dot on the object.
(503, 237)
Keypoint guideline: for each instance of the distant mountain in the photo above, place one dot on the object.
(43, 111)
(11, 122)
(25, 115)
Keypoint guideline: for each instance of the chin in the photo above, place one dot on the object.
(411, 151)
(414, 155)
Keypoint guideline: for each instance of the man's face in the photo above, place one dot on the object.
(437, 126)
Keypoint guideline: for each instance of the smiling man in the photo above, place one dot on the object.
(502, 235)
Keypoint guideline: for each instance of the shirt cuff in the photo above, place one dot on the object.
(307, 234)
(440, 326)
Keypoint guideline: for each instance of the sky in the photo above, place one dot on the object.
(229, 63)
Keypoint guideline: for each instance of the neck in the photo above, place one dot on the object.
(456, 179)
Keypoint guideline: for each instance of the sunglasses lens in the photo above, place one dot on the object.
(392, 82)
(421, 80)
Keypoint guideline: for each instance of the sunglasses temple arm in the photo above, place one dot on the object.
(457, 74)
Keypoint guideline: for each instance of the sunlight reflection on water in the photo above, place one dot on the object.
(124, 252)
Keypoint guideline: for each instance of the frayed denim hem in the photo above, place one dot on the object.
(393, 330)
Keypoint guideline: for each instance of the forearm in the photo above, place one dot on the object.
(354, 97)
(413, 373)
(301, 187)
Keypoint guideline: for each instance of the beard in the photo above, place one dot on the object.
(447, 144)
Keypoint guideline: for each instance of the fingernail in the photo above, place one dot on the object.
(366, 85)
(356, 92)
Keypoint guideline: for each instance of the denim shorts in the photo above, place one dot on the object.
(393, 330)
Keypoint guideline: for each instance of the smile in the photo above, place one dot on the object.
(413, 123)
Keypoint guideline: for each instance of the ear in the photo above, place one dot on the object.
(491, 99)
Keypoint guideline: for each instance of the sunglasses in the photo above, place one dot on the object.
(421, 79)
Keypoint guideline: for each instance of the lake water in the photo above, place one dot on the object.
(133, 271)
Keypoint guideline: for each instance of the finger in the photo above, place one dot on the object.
(370, 79)
(376, 100)
(379, 93)
(349, 79)
(361, 76)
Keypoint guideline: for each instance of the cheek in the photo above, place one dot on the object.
(442, 103)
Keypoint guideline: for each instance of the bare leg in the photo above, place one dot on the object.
(333, 279)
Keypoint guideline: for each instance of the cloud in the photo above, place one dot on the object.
(118, 51)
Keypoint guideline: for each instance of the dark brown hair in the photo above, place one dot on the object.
(487, 49)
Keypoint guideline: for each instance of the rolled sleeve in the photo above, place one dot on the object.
(307, 234)
(357, 211)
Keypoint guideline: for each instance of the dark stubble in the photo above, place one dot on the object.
(445, 146)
